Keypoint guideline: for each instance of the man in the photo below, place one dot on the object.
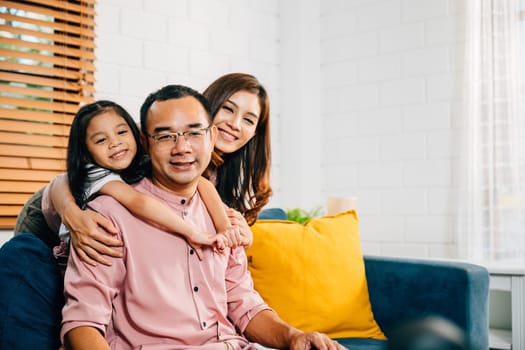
(160, 295)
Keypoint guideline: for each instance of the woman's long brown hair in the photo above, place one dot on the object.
(243, 177)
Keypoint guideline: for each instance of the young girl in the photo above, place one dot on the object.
(105, 155)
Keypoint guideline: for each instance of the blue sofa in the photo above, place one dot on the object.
(405, 290)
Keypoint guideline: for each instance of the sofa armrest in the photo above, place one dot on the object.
(402, 290)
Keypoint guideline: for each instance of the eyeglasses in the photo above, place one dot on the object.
(193, 136)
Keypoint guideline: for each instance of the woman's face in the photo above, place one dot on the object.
(236, 121)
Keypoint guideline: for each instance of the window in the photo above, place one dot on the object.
(492, 209)
(46, 73)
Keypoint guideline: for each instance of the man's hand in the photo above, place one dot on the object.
(313, 340)
(268, 329)
(87, 238)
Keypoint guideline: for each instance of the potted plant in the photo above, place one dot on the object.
(301, 216)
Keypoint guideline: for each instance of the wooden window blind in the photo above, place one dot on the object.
(46, 73)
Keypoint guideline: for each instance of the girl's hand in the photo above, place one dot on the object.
(222, 242)
(199, 239)
(246, 234)
(87, 238)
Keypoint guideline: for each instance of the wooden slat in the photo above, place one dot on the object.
(13, 198)
(52, 94)
(7, 222)
(41, 70)
(14, 162)
(27, 175)
(48, 164)
(32, 139)
(55, 38)
(56, 83)
(30, 151)
(32, 163)
(10, 209)
(36, 128)
(59, 14)
(24, 187)
(24, 114)
(68, 5)
(83, 53)
(39, 104)
(62, 61)
(60, 26)
(45, 82)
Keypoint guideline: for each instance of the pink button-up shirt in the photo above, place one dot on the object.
(160, 295)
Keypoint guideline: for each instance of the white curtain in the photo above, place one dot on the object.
(491, 225)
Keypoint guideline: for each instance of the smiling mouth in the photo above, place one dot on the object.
(227, 136)
(183, 165)
(119, 154)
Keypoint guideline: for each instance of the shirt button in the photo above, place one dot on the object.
(192, 251)
(182, 201)
(196, 289)
(204, 324)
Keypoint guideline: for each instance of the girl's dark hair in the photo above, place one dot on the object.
(78, 155)
(243, 177)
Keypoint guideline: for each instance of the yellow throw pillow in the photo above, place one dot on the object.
(313, 275)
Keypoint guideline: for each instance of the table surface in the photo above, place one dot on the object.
(506, 269)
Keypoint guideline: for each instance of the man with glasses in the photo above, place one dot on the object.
(160, 295)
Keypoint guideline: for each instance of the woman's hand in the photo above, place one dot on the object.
(87, 238)
(233, 236)
(245, 232)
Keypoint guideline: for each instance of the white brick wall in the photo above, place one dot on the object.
(145, 44)
(392, 71)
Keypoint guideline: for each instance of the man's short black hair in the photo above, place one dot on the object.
(169, 92)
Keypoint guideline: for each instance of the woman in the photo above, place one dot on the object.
(241, 166)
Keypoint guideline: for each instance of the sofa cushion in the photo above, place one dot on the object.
(313, 275)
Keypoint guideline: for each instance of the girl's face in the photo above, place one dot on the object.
(110, 141)
(236, 121)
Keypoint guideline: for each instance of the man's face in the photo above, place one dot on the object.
(178, 165)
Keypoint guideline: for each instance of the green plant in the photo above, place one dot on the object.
(301, 216)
